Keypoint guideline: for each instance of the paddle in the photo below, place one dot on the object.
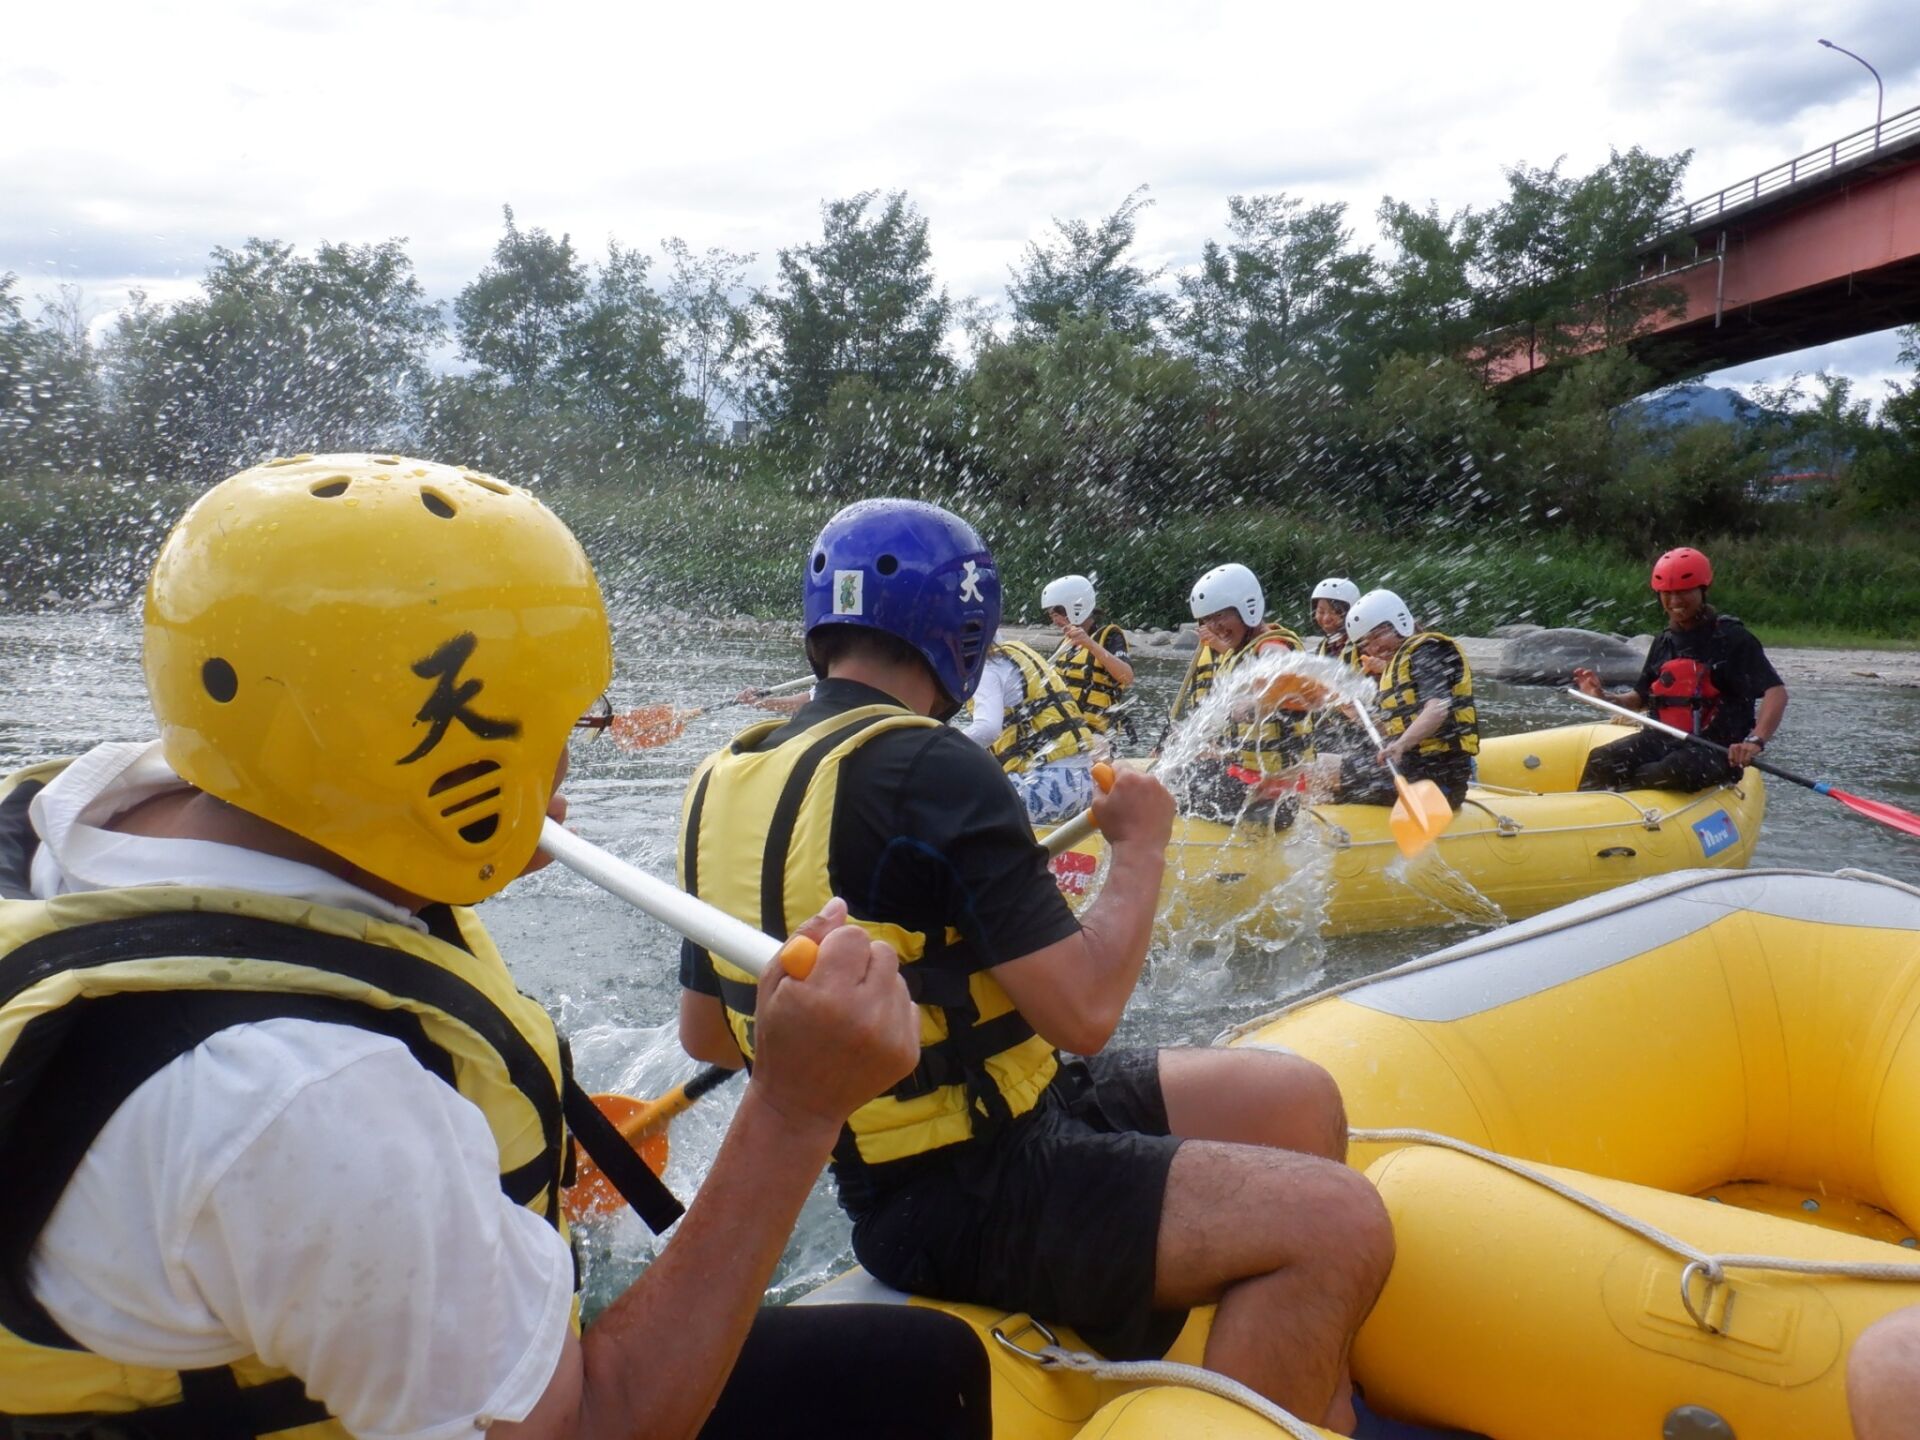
(730, 939)
(1070, 833)
(647, 726)
(644, 1123)
(1890, 815)
(1421, 814)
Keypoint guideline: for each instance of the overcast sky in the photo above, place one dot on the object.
(134, 137)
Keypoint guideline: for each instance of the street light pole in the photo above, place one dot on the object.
(1880, 103)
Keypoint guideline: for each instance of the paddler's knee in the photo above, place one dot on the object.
(1883, 1377)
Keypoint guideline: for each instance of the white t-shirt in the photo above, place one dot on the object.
(294, 1190)
(997, 681)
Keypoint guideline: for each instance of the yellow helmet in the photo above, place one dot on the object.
(385, 656)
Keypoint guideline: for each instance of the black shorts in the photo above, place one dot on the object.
(1057, 1216)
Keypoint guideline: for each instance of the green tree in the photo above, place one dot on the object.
(574, 372)
(517, 318)
(281, 352)
(1083, 272)
(1288, 292)
(50, 396)
(862, 302)
(709, 325)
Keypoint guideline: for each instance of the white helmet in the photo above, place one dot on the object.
(1073, 593)
(1228, 587)
(1377, 608)
(1337, 589)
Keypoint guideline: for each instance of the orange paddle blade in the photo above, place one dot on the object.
(1420, 816)
(1294, 692)
(650, 725)
(592, 1193)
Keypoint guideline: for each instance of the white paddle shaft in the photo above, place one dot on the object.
(737, 943)
(1625, 714)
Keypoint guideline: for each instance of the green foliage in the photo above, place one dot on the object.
(1079, 275)
(1288, 293)
(862, 301)
(283, 352)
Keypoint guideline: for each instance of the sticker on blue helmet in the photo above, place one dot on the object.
(847, 587)
(970, 584)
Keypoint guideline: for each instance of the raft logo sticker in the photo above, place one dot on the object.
(1073, 872)
(1716, 833)
(847, 592)
(448, 702)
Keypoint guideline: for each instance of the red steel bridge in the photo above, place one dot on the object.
(1822, 247)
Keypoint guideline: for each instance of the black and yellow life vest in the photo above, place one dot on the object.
(754, 838)
(1087, 679)
(1269, 740)
(1400, 701)
(100, 990)
(1348, 653)
(1044, 724)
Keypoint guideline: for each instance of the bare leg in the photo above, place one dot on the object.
(1883, 1378)
(1264, 1220)
(1254, 1097)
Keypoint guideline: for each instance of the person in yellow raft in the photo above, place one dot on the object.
(1427, 714)
(282, 1138)
(1108, 1193)
(1092, 659)
(1257, 740)
(1027, 719)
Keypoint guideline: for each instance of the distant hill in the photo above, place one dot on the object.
(1691, 404)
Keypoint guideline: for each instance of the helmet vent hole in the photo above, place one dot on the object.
(437, 504)
(819, 561)
(331, 489)
(486, 482)
(481, 830)
(462, 776)
(887, 564)
(220, 681)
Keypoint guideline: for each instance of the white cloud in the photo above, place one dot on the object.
(134, 137)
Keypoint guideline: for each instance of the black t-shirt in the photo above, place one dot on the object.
(928, 835)
(1736, 662)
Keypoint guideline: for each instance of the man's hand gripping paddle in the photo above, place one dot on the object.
(1890, 815)
(648, 726)
(1421, 815)
(737, 943)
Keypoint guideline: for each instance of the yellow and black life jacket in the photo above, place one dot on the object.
(1088, 680)
(1044, 724)
(1400, 702)
(100, 990)
(755, 832)
(1269, 740)
(1348, 654)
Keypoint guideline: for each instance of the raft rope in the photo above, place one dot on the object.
(1055, 1356)
(1525, 930)
(1711, 1268)
(1507, 827)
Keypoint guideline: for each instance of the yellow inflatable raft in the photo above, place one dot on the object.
(1525, 840)
(1707, 1066)
(1696, 1068)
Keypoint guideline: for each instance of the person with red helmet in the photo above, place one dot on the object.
(1111, 1192)
(1705, 674)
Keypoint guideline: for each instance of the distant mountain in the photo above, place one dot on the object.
(1690, 404)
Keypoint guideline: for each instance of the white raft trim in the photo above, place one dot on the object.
(1537, 954)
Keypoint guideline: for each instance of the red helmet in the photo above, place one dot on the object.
(1682, 569)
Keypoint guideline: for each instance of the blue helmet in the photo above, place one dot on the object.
(913, 571)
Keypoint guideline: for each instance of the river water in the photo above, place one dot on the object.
(68, 681)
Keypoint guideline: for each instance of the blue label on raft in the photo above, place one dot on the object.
(1716, 833)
